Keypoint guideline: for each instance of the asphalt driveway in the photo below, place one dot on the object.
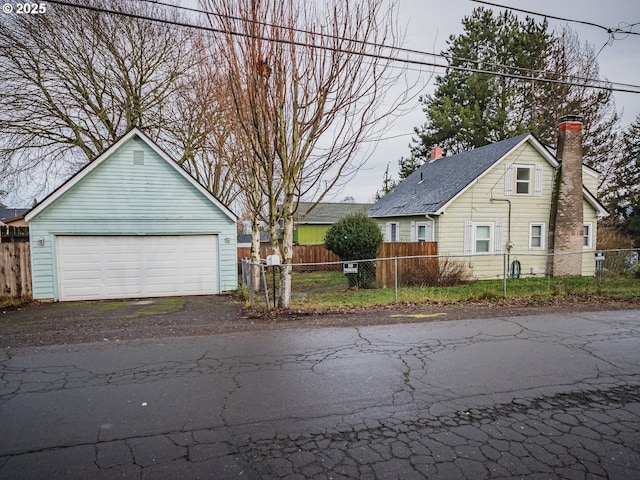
(116, 320)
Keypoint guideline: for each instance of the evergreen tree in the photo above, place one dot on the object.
(472, 106)
(623, 198)
(388, 184)
(476, 102)
(408, 166)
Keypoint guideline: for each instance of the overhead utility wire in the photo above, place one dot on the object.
(297, 30)
(583, 22)
(592, 84)
(528, 71)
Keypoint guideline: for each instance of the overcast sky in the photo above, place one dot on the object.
(430, 22)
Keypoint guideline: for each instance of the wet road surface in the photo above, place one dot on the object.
(553, 396)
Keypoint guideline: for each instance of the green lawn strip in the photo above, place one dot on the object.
(328, 290)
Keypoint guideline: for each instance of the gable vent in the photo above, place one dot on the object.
(138, 157)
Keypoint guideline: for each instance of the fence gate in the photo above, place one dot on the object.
(15, 262)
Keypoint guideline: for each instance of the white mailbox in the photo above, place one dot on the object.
(273, 260)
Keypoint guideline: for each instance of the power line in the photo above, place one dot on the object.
(583, 22)
(610, 31)
(590, 83)
(447, 57)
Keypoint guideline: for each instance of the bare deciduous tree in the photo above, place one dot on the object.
(202, 127)
(76, 79)
(310, 82)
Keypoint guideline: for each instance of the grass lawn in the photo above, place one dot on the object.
(327, 290)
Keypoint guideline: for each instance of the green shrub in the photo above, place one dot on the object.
(356, 237)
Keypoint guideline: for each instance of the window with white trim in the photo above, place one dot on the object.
(483, 238)
(536, 236)
(587, 230)
(523, 178)
(424, 231)
(392, 232)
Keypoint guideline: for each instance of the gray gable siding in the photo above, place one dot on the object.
(431, 186)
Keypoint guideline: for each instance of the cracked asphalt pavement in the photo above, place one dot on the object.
(534, 397)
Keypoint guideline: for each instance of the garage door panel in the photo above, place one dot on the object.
(81, 258)
(94, 267)
(83, 275)
(84, 293)
(122, 273)
(121, 291)
(121, 257)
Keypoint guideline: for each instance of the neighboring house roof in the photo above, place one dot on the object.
(12, 213)
(246, 237)
(433, 186)
(327, 213)
(134, 132)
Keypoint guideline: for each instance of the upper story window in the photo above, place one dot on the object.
(523, 181)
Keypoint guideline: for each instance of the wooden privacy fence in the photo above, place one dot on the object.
(410, 272)
(316, 254)
(15, 262)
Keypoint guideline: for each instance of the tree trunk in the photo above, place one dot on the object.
(255, 254)
(284, 298)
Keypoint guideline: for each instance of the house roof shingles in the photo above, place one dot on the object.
(11, 213)
(327, 213)
(442, 179)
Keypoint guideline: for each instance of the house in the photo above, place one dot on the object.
(312, 222)
(498, 199)
(131, 224)
(13, 216)
(244, 239)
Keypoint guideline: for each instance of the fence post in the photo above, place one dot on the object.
(395, 278)
(266, 290)
(504, 275)
(249, 281)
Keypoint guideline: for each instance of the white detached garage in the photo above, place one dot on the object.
(131, 224)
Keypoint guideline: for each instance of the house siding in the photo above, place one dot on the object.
(405, 224)
(588, 258)
(474, 205)
(590, 180)
(311, 234)
(119, 197)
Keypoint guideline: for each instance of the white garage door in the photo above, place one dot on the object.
(98, 267)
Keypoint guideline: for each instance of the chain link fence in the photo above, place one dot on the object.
(504, 275)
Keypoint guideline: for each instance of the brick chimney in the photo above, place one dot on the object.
(566, 223)
(436, 153)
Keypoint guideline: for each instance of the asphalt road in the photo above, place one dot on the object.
(552, 396)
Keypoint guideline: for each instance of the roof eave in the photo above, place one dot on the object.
(414, 214)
